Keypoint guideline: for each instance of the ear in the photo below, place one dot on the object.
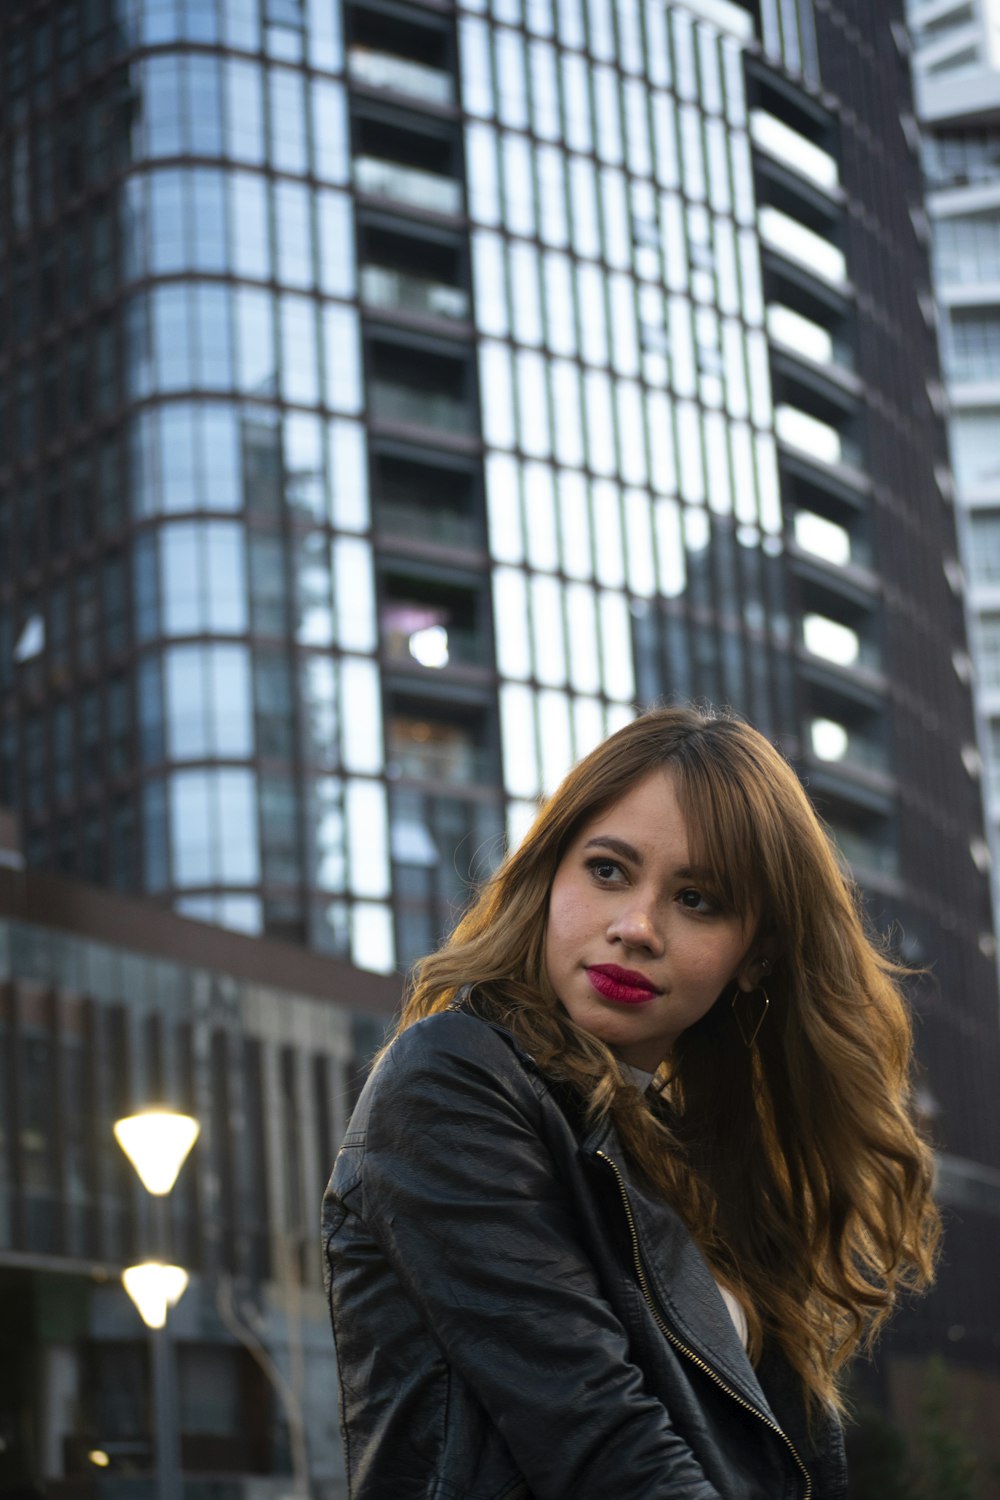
(753, 973)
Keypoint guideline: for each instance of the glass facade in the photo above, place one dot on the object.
(392, 403)
(954, 56)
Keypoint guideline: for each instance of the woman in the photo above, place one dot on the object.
(636, 1174)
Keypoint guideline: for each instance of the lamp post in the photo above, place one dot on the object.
(157, 1143)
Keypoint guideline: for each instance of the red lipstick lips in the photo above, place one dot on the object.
(625, 986)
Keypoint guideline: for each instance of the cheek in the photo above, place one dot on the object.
(565, 921)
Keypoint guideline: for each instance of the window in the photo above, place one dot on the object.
(972, 344)
(975, 454)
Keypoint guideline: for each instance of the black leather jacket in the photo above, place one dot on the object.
(515, 1316)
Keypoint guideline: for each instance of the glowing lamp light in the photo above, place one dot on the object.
(98, 1458)
(155, 1288)
(157, 1142)
(430, 646)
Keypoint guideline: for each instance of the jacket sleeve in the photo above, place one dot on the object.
(461, 1194)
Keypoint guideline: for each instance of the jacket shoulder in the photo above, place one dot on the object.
(452, 1042)
(449, 1055)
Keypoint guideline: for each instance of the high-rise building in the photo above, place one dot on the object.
(394, 394)
(956, 64)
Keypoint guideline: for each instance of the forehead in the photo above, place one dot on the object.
(648, 814)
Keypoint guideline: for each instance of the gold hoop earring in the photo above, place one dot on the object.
(748, 1041)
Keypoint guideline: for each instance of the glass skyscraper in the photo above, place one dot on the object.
(394, 395)
(396, 398)
(956, 56)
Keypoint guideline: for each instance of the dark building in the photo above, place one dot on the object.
(393, 395)
(108, 1006)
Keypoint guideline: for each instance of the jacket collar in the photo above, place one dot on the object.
(682, 1285)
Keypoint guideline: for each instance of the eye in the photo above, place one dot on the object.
(604, 870)
(695, 900)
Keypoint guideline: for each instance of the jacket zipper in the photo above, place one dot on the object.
(672, 1338)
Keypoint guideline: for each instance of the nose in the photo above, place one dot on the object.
(636, 925)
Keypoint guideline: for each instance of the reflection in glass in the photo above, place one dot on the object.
(335, 222)
(372, 943)
(342, 359)
(318, 700)
(497, 395)
(533, 405)
(525, 291)
(202, 578)
(576, 102)
(639, 544)
(689, 445)
(203, 105)
(208, 702)
(367, 837)
(510, 623)
(477, 68)
(545, 113)
(331, 133)
(503, 508)
(292, 217)
(670, 562)
(584, 647)
(512, 78)
(299, 373)
(517, 733)
(614, 204)
(540, 518)
(361, 719)
(518, 184)
(213, 828)
(256, 367)
(552, 190)
(566, 404)
(490, 282)
(590, 286)
(616, 647)
(244, 111)
(481, 173)
(601, 448)
(286, 89)
(607, 102)
(312, 591)
(547, 631)
(354, 593)
(583, 203)
(348, 457)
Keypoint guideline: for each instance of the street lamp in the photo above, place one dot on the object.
(157, 1143)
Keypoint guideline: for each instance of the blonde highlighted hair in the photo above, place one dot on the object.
(796, 1163)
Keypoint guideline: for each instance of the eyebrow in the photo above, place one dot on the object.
(629, 852)
(617, 846)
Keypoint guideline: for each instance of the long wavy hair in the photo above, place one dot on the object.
(796, 1162)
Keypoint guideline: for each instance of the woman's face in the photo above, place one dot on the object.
(635, 948)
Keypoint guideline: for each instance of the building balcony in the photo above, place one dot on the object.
(968, 282)
(866, 854)
(394, 291)
(401, 75)
(455, 764)
(406, 406)
(838, 746)
(412, 187)
(438, 525)
(435, 647)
